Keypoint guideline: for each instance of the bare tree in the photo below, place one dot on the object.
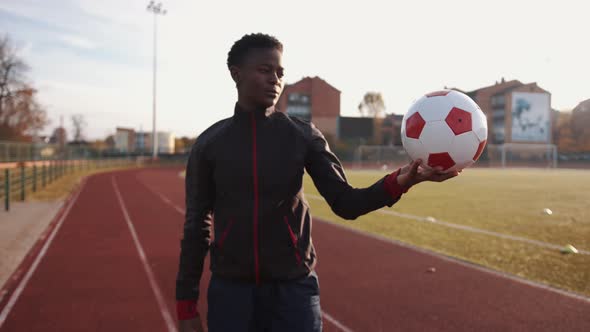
(79, 123)
(20, 113)
(372, 105)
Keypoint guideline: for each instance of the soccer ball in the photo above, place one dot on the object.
(445, 128)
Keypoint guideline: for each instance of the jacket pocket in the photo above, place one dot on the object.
(225, 233)
(294, 240)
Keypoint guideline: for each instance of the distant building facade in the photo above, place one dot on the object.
(124, 140)
(143, 142)
(127, 140)
(580, 126)
(391, 128)
(166, 142)
(516, 112)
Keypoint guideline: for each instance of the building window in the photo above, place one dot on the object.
(498, 114)
(498, 101)
(298, 105)
(499, 134)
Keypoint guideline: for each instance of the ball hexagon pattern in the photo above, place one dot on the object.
(414, 126)
(459, 121)
(445, 129)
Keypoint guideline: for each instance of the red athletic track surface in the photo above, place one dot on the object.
(92, 278)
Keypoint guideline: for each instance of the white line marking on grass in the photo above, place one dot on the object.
(148, 270)
(467, 228)
(327, 316)
(23, 283)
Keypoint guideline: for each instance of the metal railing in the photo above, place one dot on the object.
(19, 182)
(24, 151)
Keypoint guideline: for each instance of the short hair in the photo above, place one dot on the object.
(248, 42)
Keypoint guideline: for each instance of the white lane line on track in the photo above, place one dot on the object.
(327, 316)
(23, 283)
(431, 220)
(335, 322)
(148, 270)
(167, 201)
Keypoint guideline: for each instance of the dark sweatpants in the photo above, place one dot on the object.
(269, 307)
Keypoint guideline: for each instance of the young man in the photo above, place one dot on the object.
(247, 171)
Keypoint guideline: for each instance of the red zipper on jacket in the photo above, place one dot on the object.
(224, 234)
(293, 240)
(255, 177)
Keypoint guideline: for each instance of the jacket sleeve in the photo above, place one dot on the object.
(200, 193)
(328, 176)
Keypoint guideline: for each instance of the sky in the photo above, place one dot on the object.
(95, 57)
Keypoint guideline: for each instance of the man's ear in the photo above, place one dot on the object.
(235, 74)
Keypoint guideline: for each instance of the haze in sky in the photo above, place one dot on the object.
(95, 57)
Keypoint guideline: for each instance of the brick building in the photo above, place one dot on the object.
(501, 103)
(391, 130)
(580, 126)
(315, 100)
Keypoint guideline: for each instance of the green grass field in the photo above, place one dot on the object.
(507, 201)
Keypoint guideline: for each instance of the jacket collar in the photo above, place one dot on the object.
(260, 113)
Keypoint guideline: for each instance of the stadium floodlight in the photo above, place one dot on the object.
(156, 9)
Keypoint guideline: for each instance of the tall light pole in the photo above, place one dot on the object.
(156, 9)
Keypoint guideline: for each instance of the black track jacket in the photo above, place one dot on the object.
(247, 172)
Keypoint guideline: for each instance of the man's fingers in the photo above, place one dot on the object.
(414, 169)
(435, 174)
(425, 174)
(446, 176)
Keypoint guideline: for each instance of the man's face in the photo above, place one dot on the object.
(260, 77)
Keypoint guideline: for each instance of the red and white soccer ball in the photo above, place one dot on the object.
(445, 128)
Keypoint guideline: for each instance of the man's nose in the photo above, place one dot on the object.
(274, 78)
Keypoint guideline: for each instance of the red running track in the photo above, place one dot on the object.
(91, 277)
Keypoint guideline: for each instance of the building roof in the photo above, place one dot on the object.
(499, 86)
(583, 106)
(313, 79)
(503, 87)
(456, 89)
